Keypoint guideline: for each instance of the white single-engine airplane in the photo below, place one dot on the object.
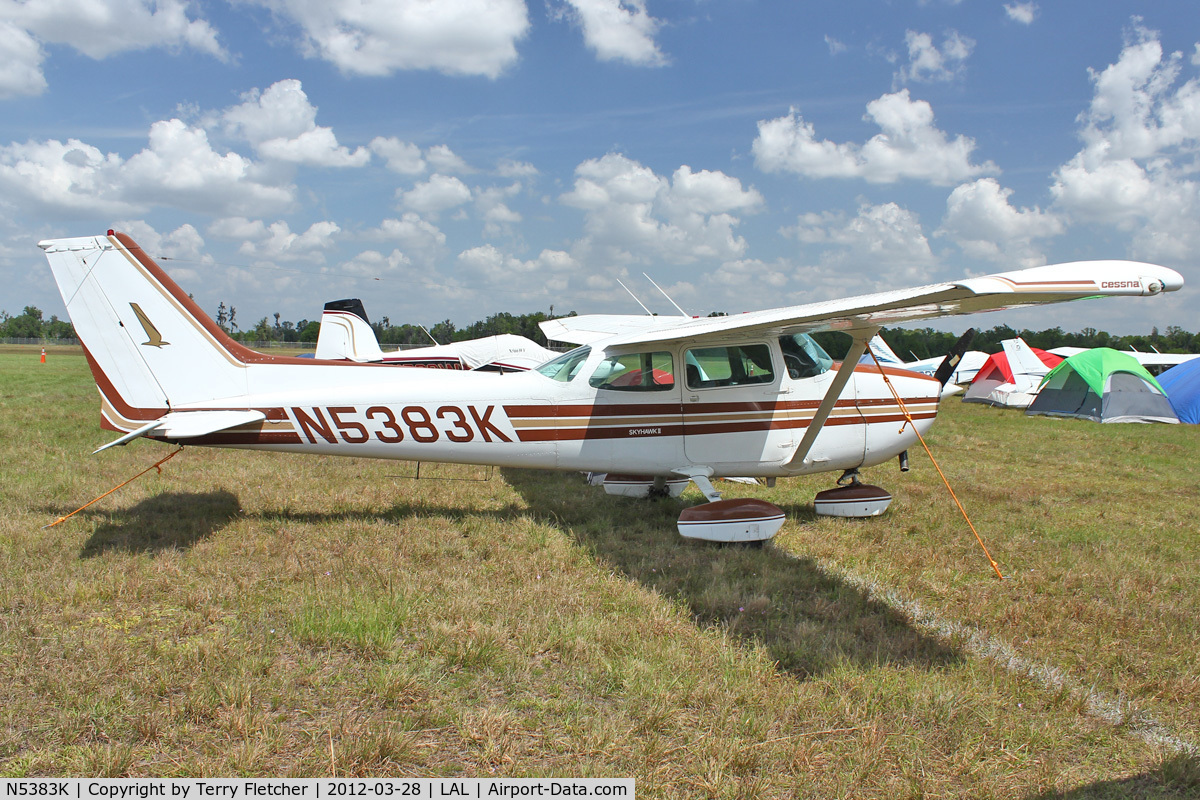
(661, 397)
(962, 370)
(346, 335)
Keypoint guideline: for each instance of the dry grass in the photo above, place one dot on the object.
(250, 614)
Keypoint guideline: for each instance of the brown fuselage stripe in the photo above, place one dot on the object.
(651, 430)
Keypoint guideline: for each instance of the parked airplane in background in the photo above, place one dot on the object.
(663, 397)
(346, 335)
(1155, 362)
(1011, 379)
(963, 370)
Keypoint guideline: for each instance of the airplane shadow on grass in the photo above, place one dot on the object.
(169, 521)
(1175, 776)
(808, 620)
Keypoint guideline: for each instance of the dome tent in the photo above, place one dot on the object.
(1102, 385)
(1182, 384)
(1009, 379)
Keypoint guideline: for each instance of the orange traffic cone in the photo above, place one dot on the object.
(43, 355)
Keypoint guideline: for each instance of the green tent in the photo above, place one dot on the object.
(1102, 385)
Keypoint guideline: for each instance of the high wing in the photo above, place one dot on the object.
(866, 313)
(589, 328)
(1155, 359)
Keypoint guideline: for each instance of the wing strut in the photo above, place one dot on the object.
(859, 346)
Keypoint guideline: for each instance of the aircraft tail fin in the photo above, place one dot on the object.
(1027, 369)
(346, 334)
(885, 354)
(150, 347)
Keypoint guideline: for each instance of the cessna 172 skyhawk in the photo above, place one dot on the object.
(662, 397)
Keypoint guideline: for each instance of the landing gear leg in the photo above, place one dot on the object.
(659, 490)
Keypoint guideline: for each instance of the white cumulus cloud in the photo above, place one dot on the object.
(1024, 13)
(281, 124)
(64, 176)
(981, 220)
(909, 147)
(1136, 169)
(380, 37)
(619, 30)
(439, 193)
(498, 217)
(277, 243)
(20, 62)
(552, 268)
(882, 246)
(929, 63)
(180, 168)
(184, 243)
(444, 160)
(633, 215)
(418, 237)
(402, 157)
(96, 28)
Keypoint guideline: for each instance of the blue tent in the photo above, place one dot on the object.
(1182, 385)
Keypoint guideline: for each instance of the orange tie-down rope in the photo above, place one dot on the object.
(909, 421)
(157, 466)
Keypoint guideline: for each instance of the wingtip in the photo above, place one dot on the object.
(1171, 280)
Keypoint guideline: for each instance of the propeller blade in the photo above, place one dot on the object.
(946, 368)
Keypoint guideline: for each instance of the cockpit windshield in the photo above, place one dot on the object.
(566, 366)
(803, 356)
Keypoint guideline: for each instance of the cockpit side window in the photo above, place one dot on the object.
(635, 372)
(566, 366)
(803, 357)
(735, 365)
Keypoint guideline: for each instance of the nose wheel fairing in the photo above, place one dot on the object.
(852, 498)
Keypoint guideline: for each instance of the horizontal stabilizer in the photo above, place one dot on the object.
(190, 424)
(129, 437)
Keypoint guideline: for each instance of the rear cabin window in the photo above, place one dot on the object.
(635, 372)
(736, 365)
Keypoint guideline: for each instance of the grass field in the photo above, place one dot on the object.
(250, 614)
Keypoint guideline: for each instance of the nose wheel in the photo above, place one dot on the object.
(852, 498)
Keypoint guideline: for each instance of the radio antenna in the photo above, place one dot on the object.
(634, 296)
(664, 294)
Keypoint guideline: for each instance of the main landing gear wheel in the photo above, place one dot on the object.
(852, 498)
(747, 521)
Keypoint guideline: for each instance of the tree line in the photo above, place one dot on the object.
(444, 332)
(927, 343)
(30, 324)
(913, 343)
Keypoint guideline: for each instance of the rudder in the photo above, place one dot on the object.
(151, 348)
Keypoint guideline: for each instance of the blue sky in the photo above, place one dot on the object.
(455, 158)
